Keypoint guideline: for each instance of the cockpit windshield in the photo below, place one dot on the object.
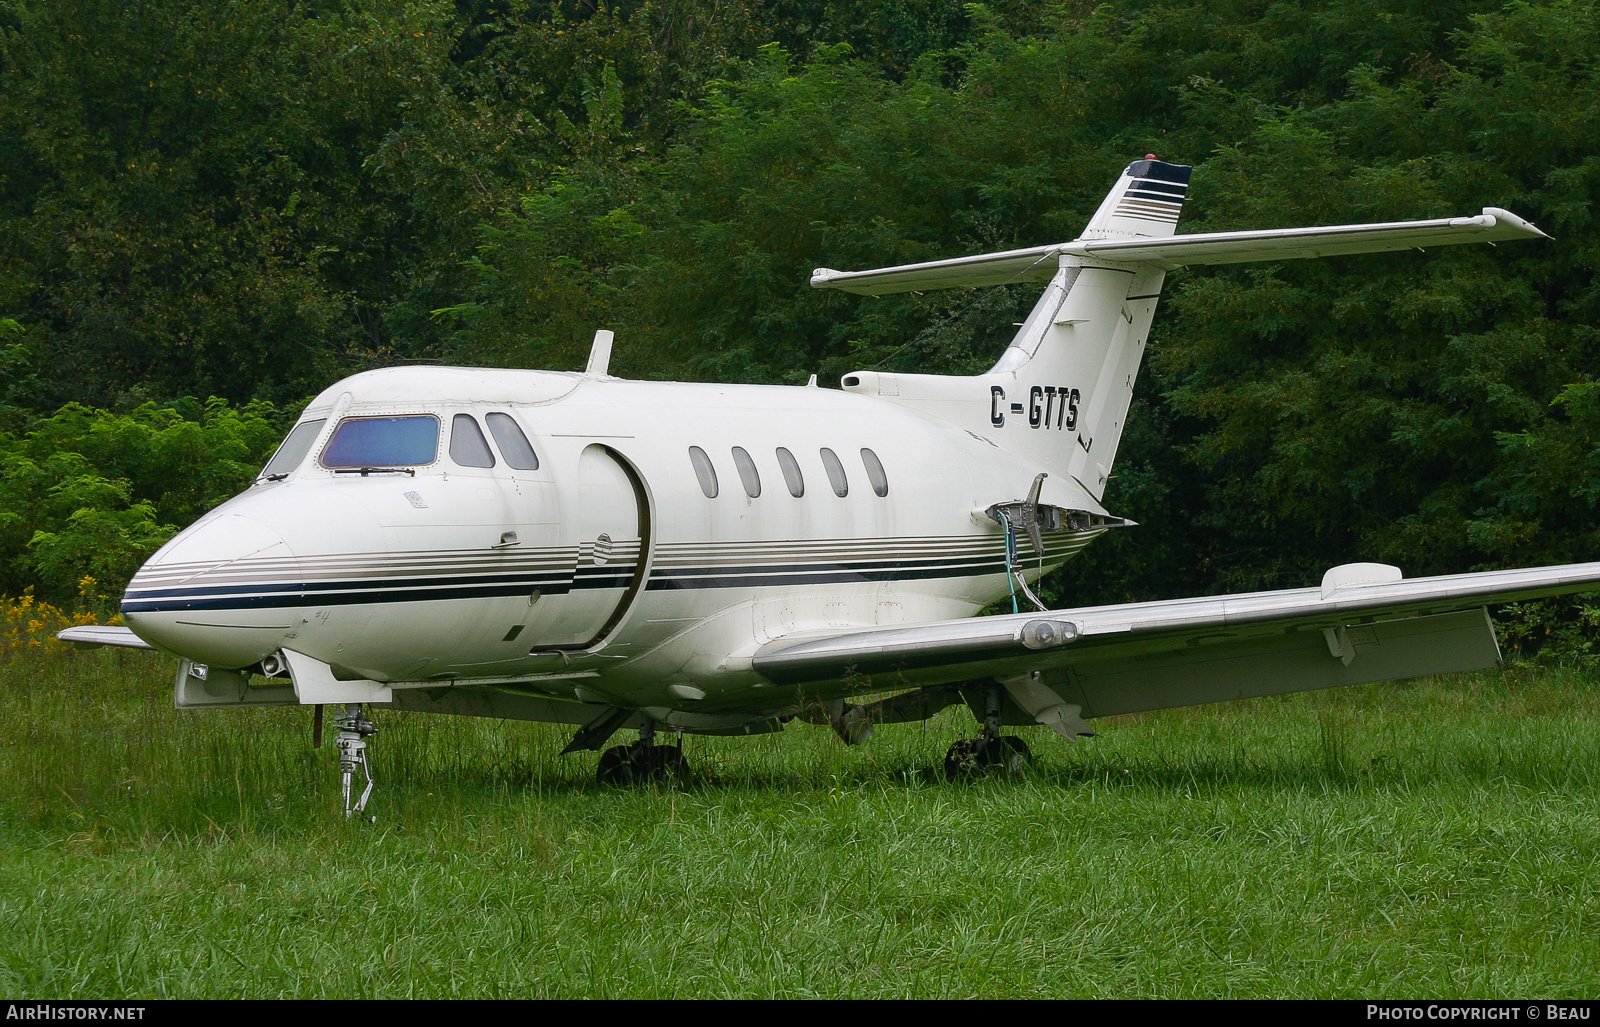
(294, 449)
(383, 442)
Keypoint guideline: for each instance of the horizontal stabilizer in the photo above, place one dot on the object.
(1036, 264)
(1039, 263)
(100, 634)
(1493, 225)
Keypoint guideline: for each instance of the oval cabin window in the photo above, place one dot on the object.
(748, 475)
(704, 471)
(835, 469)
(791, 473)
(874, 466)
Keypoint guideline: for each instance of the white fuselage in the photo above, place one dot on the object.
(607, 573)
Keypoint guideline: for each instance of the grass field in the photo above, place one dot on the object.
(1438, 838)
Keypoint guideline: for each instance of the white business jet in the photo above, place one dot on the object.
(719, 559)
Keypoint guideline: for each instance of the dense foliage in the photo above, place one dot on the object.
(91, 493)
(247, 200)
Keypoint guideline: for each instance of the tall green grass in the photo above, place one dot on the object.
(1436, 838)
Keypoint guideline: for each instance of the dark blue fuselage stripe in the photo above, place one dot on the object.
(826, 577)
(953, 564)
(421, 590)
(555, 577)
(289, 599)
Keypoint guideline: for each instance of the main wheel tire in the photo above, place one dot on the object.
(663, 763)
(617, 766)
(971, 756)
(963, 758)
(1012, 754)
(636, 764)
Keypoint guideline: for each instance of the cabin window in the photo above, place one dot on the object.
(791, 473)
(468, 447)
(874, 466)
(294, 448)
(513, 444)
(835, 469)
(383, 442)
(748, 475)
(704, 471)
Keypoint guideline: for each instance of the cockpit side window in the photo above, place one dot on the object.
(383, 442)
(294, 448)
(468, 447)
(513, 444)
(704, 471)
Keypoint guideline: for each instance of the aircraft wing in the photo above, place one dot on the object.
(101, 634)
(1109, 660)
(1039, 263)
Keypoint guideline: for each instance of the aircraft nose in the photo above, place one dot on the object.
(210, 593)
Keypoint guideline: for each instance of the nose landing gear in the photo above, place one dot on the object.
(990, 750)
(642, 762)
(354, 730)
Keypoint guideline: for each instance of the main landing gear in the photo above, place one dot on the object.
(644, 761)
(990, 750)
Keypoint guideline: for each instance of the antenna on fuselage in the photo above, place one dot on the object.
(600, 353)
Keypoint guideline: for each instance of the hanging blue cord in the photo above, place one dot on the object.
(1011, 557)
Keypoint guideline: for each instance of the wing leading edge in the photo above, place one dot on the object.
(1141, 656)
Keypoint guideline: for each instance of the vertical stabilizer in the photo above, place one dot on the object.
(1144, 204)
(1059, 395)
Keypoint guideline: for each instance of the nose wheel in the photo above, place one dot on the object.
(991, 750)
(643, 762)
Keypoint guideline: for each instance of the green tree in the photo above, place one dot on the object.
(93, 492)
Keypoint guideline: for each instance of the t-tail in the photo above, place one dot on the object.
(1060, 393)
